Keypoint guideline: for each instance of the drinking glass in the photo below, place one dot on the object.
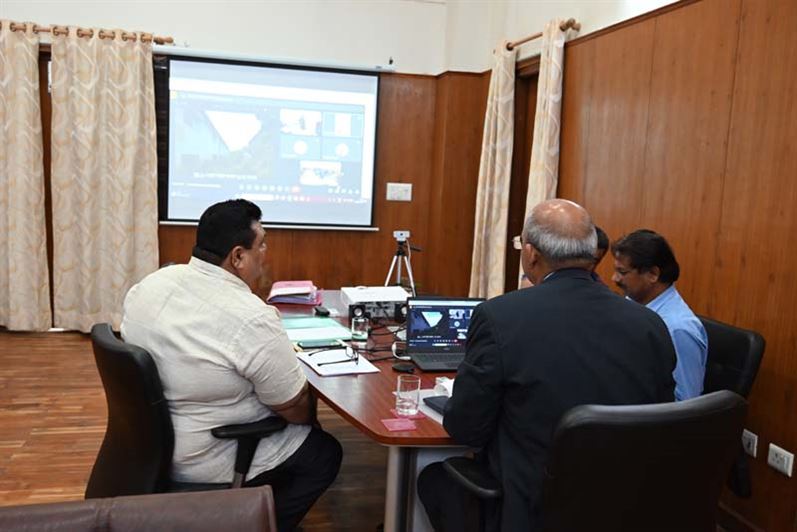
(359, 329)
(408, 393)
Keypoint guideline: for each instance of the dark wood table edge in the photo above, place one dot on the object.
(399, 439)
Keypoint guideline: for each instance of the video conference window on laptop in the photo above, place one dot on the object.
(439, 325)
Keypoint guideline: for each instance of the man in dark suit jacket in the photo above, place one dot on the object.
(532, 355)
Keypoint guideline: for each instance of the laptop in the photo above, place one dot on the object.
(437, 328)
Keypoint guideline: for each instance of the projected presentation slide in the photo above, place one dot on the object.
(299, 143)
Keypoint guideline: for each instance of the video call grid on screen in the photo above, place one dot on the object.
(300, 143)
(439, 324)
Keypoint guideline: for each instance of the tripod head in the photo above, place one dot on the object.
(401, 242)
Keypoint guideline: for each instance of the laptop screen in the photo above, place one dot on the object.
(438, 324)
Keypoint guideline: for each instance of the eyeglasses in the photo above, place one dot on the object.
(517, 243)
(352, 355)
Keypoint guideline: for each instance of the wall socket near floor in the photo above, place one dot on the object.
(399, 191)
(780, 459)
(750, 442)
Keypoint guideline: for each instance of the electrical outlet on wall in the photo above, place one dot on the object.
(750, 442)
(780, 459)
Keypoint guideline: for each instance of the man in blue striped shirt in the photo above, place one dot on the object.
(646, 270)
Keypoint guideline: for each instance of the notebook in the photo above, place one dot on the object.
(437, 328)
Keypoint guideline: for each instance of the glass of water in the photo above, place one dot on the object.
(359, 329)
(408, 393)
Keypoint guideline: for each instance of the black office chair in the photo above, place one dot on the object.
(734, 356)
(628, 468)
(136, 454)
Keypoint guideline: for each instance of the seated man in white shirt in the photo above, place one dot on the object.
(224, 358)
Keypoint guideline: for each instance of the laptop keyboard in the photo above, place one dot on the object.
(438, 357)
(438, 361)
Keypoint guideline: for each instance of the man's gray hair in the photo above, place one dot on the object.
(558, 246)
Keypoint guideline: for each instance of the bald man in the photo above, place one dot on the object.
(534, 354)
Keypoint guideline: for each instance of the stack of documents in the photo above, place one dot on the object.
(295, 292)
(312, 328)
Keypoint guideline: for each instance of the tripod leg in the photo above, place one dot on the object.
(409, 272)
(390, 271)
(398, 270)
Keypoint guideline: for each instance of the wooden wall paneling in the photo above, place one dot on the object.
(688, 120)
(458, 129)
(284, 260)
(331, 259)
(617, 120)
(579, 72)
(618, 116)
(755, 262)
(433, 251)
(525, 111)
(405, 144)
(175, 243)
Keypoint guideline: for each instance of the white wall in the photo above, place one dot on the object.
(353, 32)
(480, 25)
(524, 18)
(472, 31)
(422, 36)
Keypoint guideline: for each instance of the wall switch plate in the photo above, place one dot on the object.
(780, 459)
(399, 191)
(750, 442)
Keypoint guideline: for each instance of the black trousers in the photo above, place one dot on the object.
(301, 479)
(450, 507)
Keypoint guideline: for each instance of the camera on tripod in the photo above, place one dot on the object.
(402, 238)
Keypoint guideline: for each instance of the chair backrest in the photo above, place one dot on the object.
(251, 509)
(654, 467)
(734, 356)
(136, 454)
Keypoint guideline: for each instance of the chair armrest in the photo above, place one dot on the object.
(258, 429)
(473, 476)
(248, 436)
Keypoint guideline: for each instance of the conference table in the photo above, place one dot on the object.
(364, 400)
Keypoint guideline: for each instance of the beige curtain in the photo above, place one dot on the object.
(104, 175)
(24, 277)
(495, 172)
(544, 167)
